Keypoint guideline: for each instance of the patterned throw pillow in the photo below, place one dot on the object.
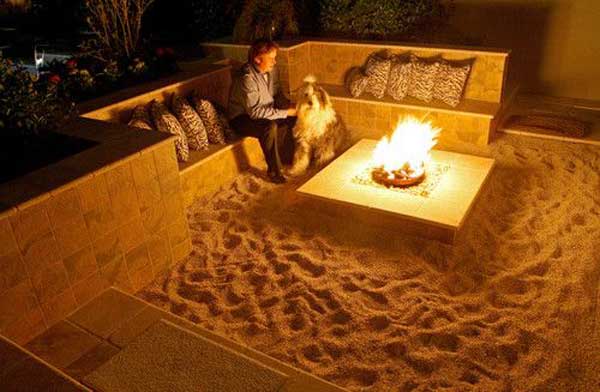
(356, 82)
(450, 82)
(377, 68)
(190, 122)
(400, 74)
(166, 122)
(423, 75)
(214, 128)
(140, 118)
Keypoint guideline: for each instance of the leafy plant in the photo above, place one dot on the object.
(86, 77)
(266, 19)
(30, 106)
(116, 25)
(211, 19)
(378, 18)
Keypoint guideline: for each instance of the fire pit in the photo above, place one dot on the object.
(400, 161)
(435, 206)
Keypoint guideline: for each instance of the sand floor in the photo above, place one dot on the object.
(513, 306)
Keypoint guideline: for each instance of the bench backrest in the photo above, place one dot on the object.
(329, 62)
(213, 84)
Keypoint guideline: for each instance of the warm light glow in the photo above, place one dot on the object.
(408, 149)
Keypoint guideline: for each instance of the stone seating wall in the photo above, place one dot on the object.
(206, 170)
(471, 123)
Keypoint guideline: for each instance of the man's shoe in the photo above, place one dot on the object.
(277, 178)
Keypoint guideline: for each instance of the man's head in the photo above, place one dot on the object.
(262, 54)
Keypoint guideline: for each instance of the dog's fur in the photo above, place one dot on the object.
(319, 133)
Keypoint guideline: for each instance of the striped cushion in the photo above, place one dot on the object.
(356, 82)
(400, 74)
(377, 69)
(450, 82)
(190, 122)
(207, 112)
(423, 75)
(140, 118)
(167, 122)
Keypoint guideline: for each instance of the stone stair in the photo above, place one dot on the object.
(118, 342)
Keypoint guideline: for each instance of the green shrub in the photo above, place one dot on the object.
(212, 19)
(378, 18)
(29, 106)
(86, 77)
(266, 19)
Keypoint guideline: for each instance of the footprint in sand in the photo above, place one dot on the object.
(579, 220)
(341, 317)
(470, 377)
(240, 228)
(539, 269)
(200, 276)
(252, 185)
(363, 376)
(332, 349)
(231, 241)
(298, 322)
(351, 287)
(243, 312)
(290, 247)
(253, 245)
(306, 264)
(376, 296)
(339, 332)
(312, 352)
(378, 323)
(395, 349)
(280, 268)
(227, 205)
(441, 341)
(233, 298)
(269, 302)
(258, 280)
(223, 217)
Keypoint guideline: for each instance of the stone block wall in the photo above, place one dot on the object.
(120, 226)
(209, 174)
(330, 61)
(368, 119)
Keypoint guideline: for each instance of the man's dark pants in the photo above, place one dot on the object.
(275, 138)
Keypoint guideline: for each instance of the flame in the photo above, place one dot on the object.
(408, 148)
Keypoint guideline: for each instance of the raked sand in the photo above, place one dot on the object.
(513, 306)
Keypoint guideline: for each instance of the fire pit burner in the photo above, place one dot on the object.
(396, 178)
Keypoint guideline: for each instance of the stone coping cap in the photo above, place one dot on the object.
(467, 107)
(117, 143)
(183, 77)
(291, 44)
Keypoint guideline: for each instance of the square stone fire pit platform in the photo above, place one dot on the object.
(435, 209)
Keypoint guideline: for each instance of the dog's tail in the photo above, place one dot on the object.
(310, 78)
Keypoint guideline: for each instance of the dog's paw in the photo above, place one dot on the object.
(294, 171)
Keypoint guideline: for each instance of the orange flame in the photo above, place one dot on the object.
(408, 148)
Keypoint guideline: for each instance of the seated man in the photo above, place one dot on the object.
(253, 109)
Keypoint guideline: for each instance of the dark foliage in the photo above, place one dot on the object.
(266, 19)
(86, 77)
(379, 18)
(30, 106)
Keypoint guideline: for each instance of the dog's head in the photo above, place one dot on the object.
(312, 98)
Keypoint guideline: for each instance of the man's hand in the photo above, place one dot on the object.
(292, 110)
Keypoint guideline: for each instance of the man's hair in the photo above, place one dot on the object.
(260, 46)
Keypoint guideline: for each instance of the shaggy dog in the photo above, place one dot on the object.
(319, 133)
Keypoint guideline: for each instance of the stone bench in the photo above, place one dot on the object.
(205, 171)
(471, 123)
